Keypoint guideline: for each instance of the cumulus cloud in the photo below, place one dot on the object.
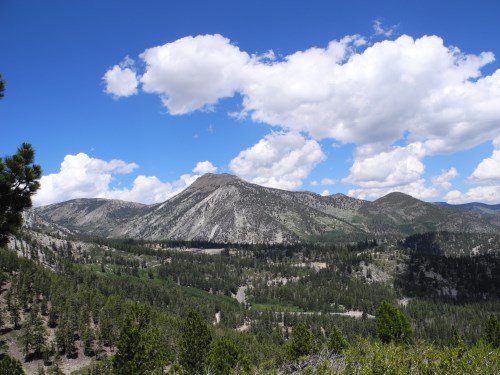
(204, 167)
(193, 72)
(443, 180)
(487, 175)
(420, 86)
(417, 189)
(488, 170)
(486, 194)
(409, 91)
(433, 93)
(81, 176)
(149, 189)
(279, 160)
(400, 169)
(121, 80)
(387, 169)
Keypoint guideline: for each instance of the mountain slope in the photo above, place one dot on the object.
(91, 216)
(224, 208)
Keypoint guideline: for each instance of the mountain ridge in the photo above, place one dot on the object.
(225, 208)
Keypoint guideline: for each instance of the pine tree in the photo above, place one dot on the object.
(10, 366)
(492, 331)
(194, 343)
(224, 356)
(39, 331)
(336, 342)
(88, 341)
(18, 182)
(139, 348)
(15, 313)
(392, 325)
(301, 343)
(2, 86)
(26, 337)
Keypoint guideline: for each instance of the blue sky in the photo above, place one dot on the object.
(134, 100)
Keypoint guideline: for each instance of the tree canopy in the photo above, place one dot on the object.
(2, 86)
(392, 325)
(18, 182)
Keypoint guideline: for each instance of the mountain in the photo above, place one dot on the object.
(94, 216)
(224, 208)
(488, 212)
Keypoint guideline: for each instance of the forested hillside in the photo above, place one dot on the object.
(104, 306)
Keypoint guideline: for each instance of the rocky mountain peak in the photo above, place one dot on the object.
(212, 181)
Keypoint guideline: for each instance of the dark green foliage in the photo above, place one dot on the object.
(301, 342)
(2, 86)
(492, 331)
(392, 325)
(336, 341)
(10, 366)
(14, 311)
(88, 338)
(139, 348)
(224, 357)
(33, 333)
(194, 344)
(18, 182)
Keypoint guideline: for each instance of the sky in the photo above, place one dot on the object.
(134, 100)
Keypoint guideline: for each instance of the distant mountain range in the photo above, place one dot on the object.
(224, 208)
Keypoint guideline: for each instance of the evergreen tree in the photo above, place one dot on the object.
(139, 347)
(10, 366)
(39, 331)
(301, 343)
(15, 312)
(492, 331)
(194, 343)
(18, 182)
(224, 356)
(88, 341)
(2, 86)
(392, 325)
(336, 342)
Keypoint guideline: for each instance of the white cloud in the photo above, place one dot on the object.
(488, 170)
(433, 93)
(149, 189)
(400, 169)
(81, 176)
(279, 160)
(323, 182)
(379, 29)
(416, 189)
(486, 194)
(413, 91)
(325, 193)
(443, 180)
(496, 142)
(388, 169)
(121, 80)
(193, 73)
(204, 167)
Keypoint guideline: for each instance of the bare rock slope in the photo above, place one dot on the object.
(224, 208)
